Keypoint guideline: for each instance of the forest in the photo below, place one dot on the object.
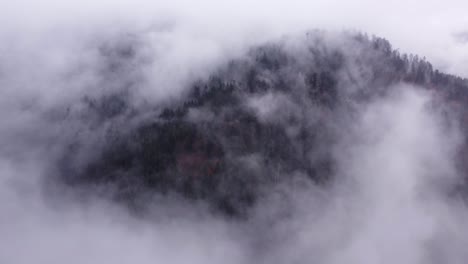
(269, 117)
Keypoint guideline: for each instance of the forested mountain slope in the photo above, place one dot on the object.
(269, 117)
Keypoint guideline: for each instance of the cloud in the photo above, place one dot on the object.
(395, 162)
(461, 37)
(401, 165)
(425, 28)
(388, 204)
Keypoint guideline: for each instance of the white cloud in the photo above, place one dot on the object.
(398, 152)
(422, 27)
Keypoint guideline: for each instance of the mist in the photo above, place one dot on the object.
(410, 25)
(394, 192)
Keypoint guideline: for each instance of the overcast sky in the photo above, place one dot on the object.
(433, 29)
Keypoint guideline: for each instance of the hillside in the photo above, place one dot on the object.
(263, 119)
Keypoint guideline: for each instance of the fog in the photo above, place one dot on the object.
(429, 28)
(392, 199)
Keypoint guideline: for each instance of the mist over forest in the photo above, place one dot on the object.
(143, 133)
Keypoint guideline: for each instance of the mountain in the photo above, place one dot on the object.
(269, 117)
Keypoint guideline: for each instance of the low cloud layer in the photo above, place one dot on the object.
(390, 203)
(394, 190)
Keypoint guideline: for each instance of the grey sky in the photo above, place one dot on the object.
(423, 27)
